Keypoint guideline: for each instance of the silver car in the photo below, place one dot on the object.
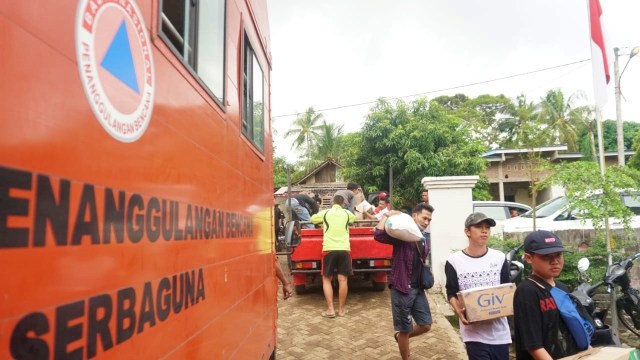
(500, 210)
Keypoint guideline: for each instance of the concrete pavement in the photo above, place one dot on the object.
(365, 332)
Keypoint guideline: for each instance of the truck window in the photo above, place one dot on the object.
(252, 99)
(194, 30)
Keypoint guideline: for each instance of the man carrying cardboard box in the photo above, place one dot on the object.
(473, 267)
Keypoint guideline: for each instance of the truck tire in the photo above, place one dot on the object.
(299, 289)
(379, 286)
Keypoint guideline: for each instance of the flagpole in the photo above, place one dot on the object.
(607, 231)
(597, 38)
(602, 172)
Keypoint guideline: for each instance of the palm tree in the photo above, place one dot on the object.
(328, 143)
(564, 118)
(304, 130)
(522, 127)
(585, 117)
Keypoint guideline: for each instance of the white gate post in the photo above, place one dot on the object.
(451, 199)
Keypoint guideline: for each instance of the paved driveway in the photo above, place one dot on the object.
(365, 332)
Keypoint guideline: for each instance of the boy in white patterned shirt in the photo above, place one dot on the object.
(477, 266)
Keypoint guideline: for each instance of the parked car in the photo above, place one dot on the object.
(499, 210)
(555, 214)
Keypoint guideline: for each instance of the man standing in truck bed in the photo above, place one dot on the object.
(349, 196)
(302, 207)
(335, 252)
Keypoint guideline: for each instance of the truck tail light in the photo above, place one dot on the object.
(379, 263)
(306, 265)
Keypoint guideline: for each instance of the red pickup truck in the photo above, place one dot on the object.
(370, 259)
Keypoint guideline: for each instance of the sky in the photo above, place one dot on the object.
(336, 53)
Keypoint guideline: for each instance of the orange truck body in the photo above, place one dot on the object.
(369, 258)
(155, 246)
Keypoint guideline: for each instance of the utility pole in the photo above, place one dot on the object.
(288, 207)
(620, 134)
(391, 185)
(618, 75)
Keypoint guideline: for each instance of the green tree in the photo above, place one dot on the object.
(584, 118)
(523, 128)
(481, 190)
(485, 115)
(350, 145)
(328, 143)
(527, 130)
(304, 129)
(595, 196)
(610, 134)
(415, 140)
(565, 118)
(451, 102)
(279, 172)
(630, 129)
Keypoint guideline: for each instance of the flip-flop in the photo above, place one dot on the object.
(329, 316)
(344, 313)
(395, 336)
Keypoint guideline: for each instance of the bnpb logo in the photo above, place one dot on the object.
(116, 66)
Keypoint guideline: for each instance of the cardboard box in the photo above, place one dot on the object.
(485, 303)
(606, 353)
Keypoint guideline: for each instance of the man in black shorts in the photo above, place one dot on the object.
(335, 252)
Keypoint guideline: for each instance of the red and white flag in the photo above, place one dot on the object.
(599, 62)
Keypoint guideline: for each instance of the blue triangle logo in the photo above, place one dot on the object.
(118, 60)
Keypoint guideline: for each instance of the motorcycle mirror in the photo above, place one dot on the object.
(513, 252)
(583, 264)
(292, 233)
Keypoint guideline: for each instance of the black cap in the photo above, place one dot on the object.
(478, 217)
(543, 242)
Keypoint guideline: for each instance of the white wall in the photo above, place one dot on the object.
(451, 199)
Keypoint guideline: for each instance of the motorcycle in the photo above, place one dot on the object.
(628, 302)
(515, 267)
(604, 334)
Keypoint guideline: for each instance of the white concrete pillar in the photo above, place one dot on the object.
(451, 199)
(500, 182)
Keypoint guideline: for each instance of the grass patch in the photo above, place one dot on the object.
(454, 321)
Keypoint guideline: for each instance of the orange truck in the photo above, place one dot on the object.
(370, 259)
(136, 180)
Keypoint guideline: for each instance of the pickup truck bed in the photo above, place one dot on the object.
(370, 259)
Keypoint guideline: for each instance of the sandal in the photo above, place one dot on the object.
(327, 315)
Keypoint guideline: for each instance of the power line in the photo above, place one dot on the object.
(446, 89)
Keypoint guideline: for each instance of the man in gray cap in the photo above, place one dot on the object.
(478, 266)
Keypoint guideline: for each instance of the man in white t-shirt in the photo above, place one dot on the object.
(477, 266)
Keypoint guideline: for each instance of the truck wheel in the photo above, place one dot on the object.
(299, 289)
(379, 286)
